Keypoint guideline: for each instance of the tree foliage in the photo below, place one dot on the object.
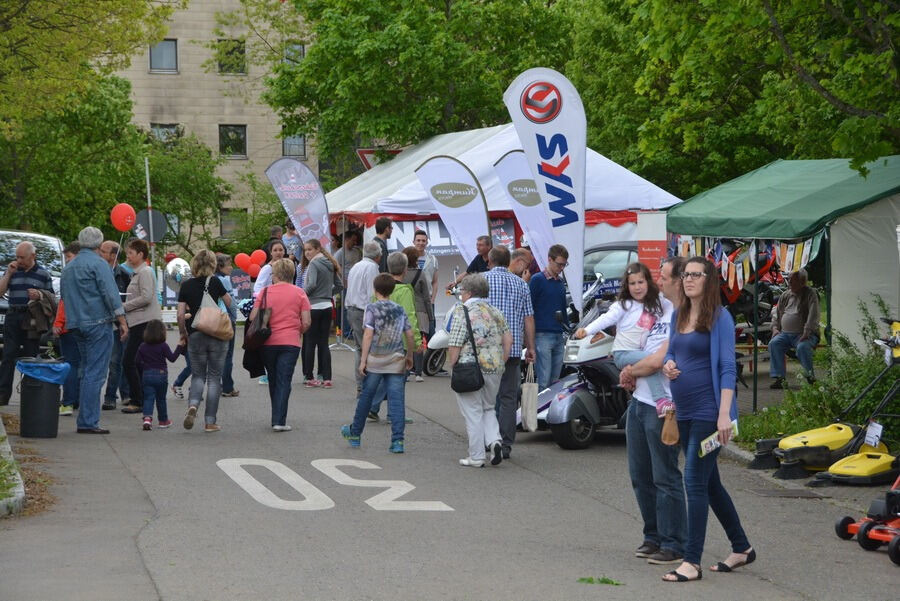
(52, 48)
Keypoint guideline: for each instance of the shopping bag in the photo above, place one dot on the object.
(529, 401)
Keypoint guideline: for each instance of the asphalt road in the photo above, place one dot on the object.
(251, 514)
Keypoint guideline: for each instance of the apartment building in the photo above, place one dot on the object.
(172, 85)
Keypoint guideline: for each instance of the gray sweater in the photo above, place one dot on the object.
(319, 280)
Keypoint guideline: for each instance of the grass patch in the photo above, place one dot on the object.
(8, 471)
(600, 580)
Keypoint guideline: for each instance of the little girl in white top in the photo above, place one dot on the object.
(634, 314)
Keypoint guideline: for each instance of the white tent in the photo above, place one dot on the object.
(392, 187)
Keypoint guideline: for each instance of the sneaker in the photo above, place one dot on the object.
(148, 424)
(420, 379)
(65, 410)
(312, 383)
(777, 384)
(646, 549)
(109, 405)
(469, 462)
(176, 390)
(264, 379)
(350, 438)
(665, 556)
(211, 428)
(132, 408)
(326, 384)
(164, 424)
(496, 453)
(281, 428)
(373, 417)
(233, 393)
(396, 446)
(189, 417)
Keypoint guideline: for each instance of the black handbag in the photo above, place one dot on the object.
(258, 331)
(467, 377)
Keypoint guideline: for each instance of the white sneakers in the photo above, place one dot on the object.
(469, 462)
(281, 428)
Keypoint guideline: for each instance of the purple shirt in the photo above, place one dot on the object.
(153, 356)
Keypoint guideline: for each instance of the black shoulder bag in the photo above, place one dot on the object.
(467, 377)
(258, 331)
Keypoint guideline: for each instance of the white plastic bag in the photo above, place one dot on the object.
(529, 401)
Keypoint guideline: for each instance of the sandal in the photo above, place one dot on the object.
(749, 557)
(679, 577)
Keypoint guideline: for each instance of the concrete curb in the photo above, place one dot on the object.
(16, 502)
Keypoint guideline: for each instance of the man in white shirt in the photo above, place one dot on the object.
(653, 466)
(360, 288)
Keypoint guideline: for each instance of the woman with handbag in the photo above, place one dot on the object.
(479, 344)
(207, 352)
(288, 318)
(141, 307)
(700, 364)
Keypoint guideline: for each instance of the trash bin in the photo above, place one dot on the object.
(39, 400)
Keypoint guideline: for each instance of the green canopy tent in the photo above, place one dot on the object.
(791, 200)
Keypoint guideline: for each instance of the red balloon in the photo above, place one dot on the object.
(253, 270)
(242, 260)
(170, 256)
(123, 216)
(259, 257)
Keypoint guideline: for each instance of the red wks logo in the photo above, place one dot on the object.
(541, 102)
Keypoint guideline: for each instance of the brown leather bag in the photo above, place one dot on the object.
(669, 434)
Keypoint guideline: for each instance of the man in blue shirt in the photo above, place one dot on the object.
(23, 279)
(548, 295)
(509, 293)
(92, 305)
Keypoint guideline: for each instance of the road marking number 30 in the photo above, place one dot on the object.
(313, 498)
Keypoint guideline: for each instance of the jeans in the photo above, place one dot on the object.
(227, 379)
(395, 385)
(115, 381)
(94, 347)
(69, 349)
(508, 401)
(156, 385)
(655, 478)
(315, 343)
(705, 491)
(135, 338)
(280, 362)
(549, 348)
(655, 382)
(182, 376)
(782, 343)
(207, 358)
(478, 412)
(13, 338)
(355, 317)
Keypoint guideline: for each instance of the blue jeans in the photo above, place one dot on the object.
(207, 359)
(704, 491)
(155, 383)
(655, 382)
(549, 348)
(395, 385)
(280, 362)
(655, 478)
(227, 380)
(69, 349)
(116, 380)
(94, 346)
(184, 373)
(782, 343)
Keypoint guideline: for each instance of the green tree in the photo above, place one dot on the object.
(50, 49)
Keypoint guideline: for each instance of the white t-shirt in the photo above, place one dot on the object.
(633, 323)
(658, 335)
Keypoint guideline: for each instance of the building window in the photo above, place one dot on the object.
(233, 141)
(293, 53)
(164, 131)
(293, 146)
(232, 58)
(164, 57)
(230, 221)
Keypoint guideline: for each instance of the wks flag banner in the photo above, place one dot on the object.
(458, 199)
(549, 119)
(514, 174)
(302, 198)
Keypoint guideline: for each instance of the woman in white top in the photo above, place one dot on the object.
(277, 251)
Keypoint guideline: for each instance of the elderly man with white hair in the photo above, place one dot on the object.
(23, 279)
(359, 294)
(92, 305)
(796, 325)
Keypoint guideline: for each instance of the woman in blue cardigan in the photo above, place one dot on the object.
(700, 363)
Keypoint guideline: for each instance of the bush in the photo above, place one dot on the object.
(847, 371)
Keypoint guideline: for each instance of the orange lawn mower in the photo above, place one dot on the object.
(880, 526)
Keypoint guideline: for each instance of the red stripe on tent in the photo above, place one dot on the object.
(613, 218)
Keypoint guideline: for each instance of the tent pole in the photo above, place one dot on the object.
(755, 324)
(828, 283)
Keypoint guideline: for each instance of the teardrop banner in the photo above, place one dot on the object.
(458, 199)
(302, 197)
(549, 119)
(514, 173)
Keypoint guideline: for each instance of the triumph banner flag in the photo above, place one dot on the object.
(302, 198)
(458, 199)
(514, 173)
(550, 122)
